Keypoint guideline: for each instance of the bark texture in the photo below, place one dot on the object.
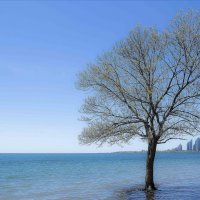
(149, 180)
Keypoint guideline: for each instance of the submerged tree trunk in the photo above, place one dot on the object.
(149, 180)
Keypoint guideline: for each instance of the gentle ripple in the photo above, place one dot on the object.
(97, 176)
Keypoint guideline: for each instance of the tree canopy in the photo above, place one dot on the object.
(147, 85)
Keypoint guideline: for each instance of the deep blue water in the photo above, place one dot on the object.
(97, 176)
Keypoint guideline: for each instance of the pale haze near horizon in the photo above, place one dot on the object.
(44, 45)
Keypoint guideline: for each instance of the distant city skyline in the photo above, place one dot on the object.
(196, 146)
(44, 45)
(178, 148)
(189, 146)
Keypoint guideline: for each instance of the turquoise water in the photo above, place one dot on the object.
(97, 176)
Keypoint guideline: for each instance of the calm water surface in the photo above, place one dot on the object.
(97, 176)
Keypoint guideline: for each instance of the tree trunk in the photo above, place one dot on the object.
(149, 180)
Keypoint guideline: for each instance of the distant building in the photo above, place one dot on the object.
(178, 148)
(189, 146)
(196, 146)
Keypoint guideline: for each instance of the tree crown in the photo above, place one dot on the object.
(148, 85)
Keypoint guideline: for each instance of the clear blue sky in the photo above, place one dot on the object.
(43, 46)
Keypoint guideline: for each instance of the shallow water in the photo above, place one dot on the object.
(97, 176)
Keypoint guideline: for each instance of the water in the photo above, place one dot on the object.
(97, 176)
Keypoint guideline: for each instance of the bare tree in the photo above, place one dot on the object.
(148, 85)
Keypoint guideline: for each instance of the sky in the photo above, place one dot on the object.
(43, 47)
